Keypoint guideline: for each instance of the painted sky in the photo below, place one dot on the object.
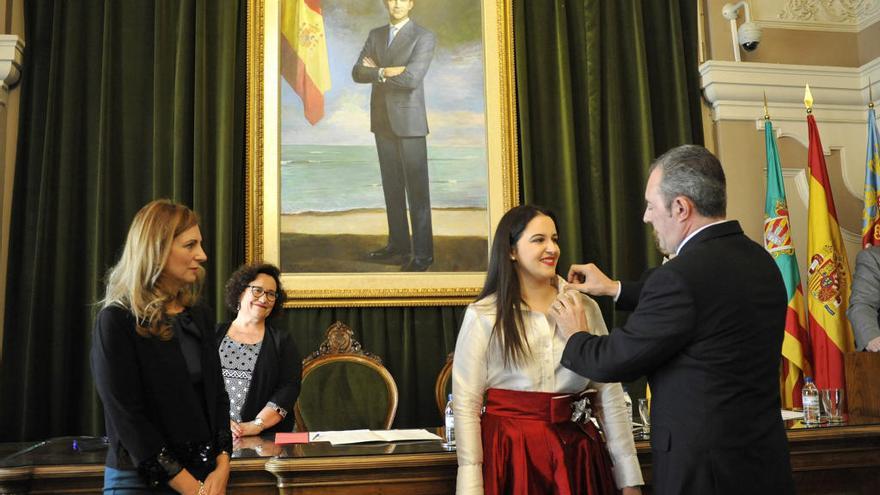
(453, 85)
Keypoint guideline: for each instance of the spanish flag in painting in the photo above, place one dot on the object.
(871, 215)
(304, 62)
(829, 283)
(777, 241)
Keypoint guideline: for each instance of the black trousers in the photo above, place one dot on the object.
(403, 163)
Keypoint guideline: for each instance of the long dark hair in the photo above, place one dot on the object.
(502, 280)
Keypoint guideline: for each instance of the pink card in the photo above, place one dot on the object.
(295, 437)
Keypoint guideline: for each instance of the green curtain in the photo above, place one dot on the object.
(603, 87)
(122, 103)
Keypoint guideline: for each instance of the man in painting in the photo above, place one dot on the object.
(395, 59)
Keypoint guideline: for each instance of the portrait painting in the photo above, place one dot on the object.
(380, 146)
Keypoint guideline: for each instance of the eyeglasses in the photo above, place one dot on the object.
(258, 292)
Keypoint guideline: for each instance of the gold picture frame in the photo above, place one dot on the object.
(263, 178)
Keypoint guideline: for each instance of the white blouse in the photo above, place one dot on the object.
(479, 365)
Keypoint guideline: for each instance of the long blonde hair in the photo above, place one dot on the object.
(134, 283)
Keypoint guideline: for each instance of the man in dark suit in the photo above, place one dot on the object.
(395, 59)
(707, 331)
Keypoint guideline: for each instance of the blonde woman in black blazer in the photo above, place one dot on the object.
(155, 363)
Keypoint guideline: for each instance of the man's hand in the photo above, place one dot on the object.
(873, 345)
(590, 280)
(568, 311)
(368, 62)
(394, 71)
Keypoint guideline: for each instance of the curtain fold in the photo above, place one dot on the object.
(124, 102)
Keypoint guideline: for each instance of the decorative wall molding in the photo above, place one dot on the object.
(824, 15)
(736, 90)
(11, 56)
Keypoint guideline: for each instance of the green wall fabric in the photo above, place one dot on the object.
(124, 102)
(603, 88)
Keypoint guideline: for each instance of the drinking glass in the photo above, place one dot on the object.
(832, 401)
(645, 413)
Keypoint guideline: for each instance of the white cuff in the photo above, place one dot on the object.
(469, 480)
(626, 471)
(619, 287)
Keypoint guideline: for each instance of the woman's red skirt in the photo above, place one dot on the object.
(531, 446)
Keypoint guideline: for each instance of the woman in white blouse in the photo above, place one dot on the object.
(507, 355)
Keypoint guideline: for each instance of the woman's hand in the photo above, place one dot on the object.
(215, 483)
(248, 429)
(631, 490)
(235, 429)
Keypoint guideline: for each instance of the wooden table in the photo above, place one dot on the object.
(834, 459)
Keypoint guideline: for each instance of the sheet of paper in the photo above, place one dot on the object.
(788, 414)
(295, 437)
(346, 437)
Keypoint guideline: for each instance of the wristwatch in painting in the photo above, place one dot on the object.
(259, 422)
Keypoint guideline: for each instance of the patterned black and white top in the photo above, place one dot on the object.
(238, 360)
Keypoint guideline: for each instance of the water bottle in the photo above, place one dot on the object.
(810, 397)
(450, 424)
(628, 403)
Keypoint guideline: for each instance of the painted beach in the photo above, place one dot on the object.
(333, 211)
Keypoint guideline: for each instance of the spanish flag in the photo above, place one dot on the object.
(828, 271)
(871, 215)
(304, 62)
(777, 241)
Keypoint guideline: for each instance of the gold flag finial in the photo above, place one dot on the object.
(808, 99)
(766, 112)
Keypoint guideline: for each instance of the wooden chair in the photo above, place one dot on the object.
(344, 387)
(443, 385)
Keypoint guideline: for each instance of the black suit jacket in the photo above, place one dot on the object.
(707, 331)
(277, 376)
(149, 400)
(397, 104)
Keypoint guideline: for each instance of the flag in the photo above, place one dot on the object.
(777, 241)
(304, 62)
(828, 287)
(871, 215)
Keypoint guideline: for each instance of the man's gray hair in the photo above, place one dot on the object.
(695, 173)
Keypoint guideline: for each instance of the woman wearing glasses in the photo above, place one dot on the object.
(261, 367)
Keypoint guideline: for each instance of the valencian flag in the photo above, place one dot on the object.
(304, 62)
(777, 241)
(871, 215)
(828, 287)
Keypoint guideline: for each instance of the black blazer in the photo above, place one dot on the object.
(707, 331)
(397, 105)
(277, 376)
(149, 401)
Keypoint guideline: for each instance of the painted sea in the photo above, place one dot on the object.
(329, 178)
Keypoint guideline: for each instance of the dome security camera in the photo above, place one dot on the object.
(749, 36)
